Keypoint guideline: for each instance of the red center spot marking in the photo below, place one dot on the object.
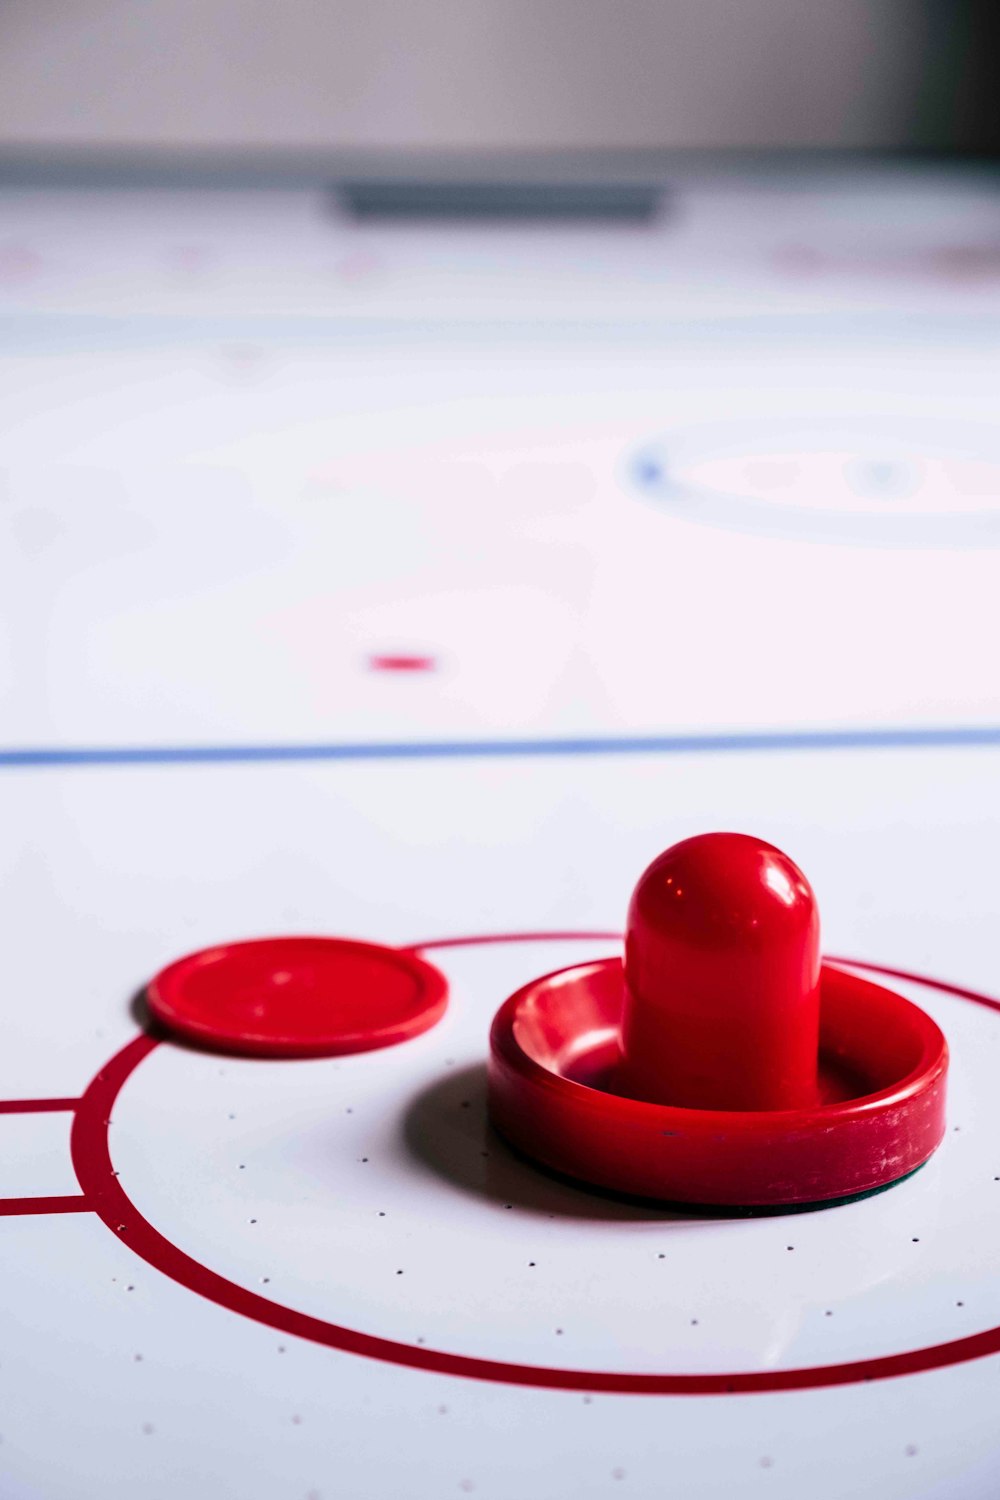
(299, 997)
(402, 663)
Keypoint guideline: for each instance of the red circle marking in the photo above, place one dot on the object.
(298, 996)
(105, 1194)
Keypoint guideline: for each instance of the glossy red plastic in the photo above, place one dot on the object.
(298, 997)
(555, 1068)
(722, 978)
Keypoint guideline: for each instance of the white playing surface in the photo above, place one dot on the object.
(728, 486)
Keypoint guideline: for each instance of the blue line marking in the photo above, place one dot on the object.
(47, 333)
(680, 744)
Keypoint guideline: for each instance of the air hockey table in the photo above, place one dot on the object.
(418, 582)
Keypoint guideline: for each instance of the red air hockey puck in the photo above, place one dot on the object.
(725, 1064)
(298, 997)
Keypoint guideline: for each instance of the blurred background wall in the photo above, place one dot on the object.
(497, 74)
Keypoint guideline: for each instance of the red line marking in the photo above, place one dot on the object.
(36, 1106)
(105, 1194)
(936, 984)
(69, 1204)
(75, 1204)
